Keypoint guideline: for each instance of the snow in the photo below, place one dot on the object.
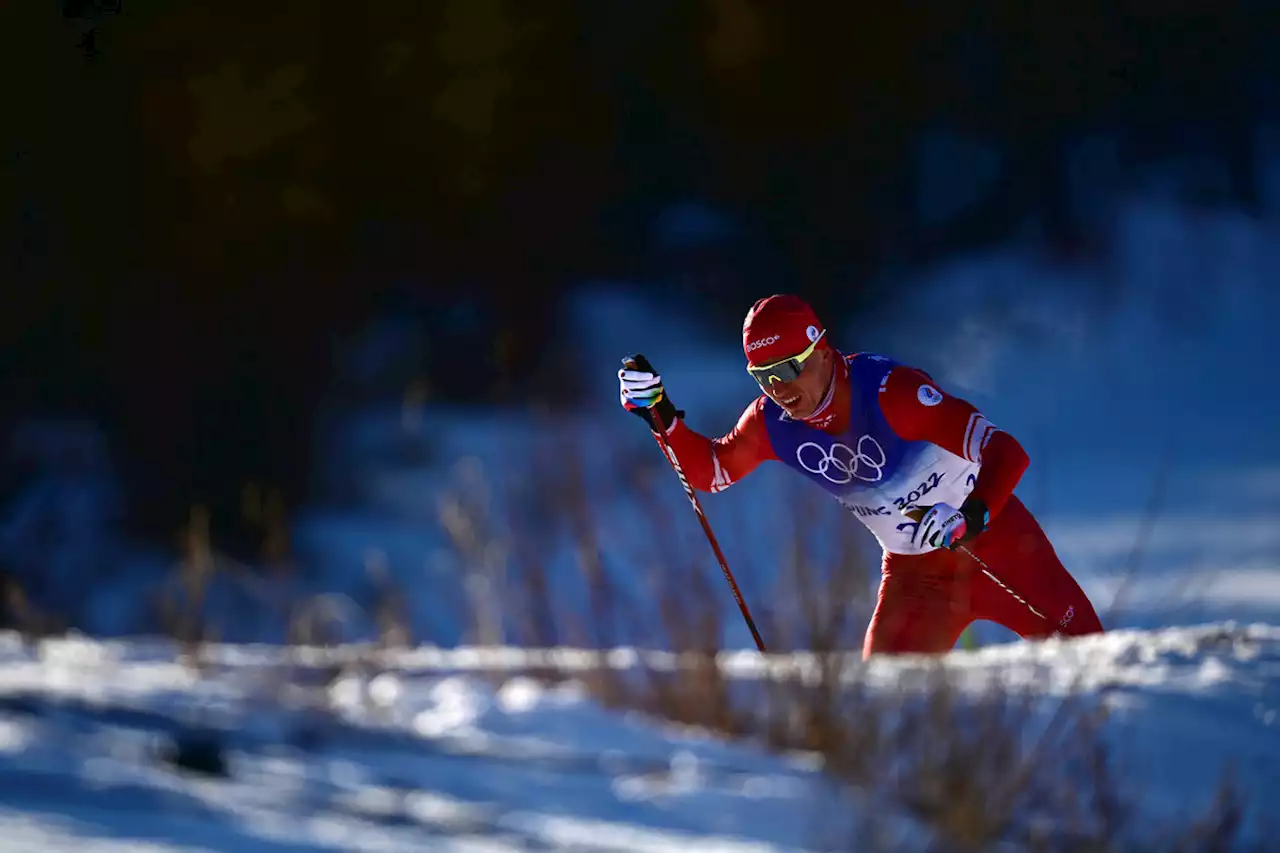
(429, 750)
(409, 758)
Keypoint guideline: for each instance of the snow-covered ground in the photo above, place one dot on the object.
(425, 755)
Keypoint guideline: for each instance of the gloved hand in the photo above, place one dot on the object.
(642, 394)
(944, 526)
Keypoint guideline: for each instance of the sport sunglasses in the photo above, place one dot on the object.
(786, 370)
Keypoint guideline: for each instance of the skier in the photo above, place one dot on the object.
(925, 471)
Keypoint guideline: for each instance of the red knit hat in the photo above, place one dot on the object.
(779, 327)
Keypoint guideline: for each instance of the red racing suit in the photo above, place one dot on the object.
(927, 596)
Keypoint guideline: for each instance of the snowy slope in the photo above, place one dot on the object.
(427, 756)
(1187, 305)
(1135, 382)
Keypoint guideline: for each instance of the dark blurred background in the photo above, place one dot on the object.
(202, 202)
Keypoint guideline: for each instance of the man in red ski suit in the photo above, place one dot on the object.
(884, 439)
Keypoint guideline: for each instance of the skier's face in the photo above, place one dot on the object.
(801, 396)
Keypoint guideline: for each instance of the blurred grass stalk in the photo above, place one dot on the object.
(993, 769)
(996, 768)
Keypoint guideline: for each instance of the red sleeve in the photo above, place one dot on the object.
(712, 465)
(918, 410)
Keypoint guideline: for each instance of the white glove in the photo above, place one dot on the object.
(943, 526)
(641, 392)
(639, 388)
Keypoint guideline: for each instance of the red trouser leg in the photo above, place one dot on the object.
(927, 600)
(1017, 551)
(923, 605)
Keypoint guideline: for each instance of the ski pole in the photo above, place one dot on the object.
(917, 513)
(638, 362)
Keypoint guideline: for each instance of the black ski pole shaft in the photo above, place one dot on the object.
(702, 518)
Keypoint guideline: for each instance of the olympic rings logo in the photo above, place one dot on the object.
(842, 463)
